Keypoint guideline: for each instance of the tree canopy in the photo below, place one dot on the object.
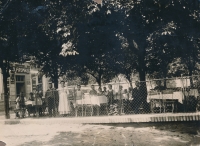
(79, 38)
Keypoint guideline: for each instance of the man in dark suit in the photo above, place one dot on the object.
(137, 97)
(52, 100)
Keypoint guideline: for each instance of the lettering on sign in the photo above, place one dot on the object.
(22, 69)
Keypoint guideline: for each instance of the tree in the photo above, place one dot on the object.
(173, 40)
(126, 62)
(15, 17)
(98, 43)
(59, 30)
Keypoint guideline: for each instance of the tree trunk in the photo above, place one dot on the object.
(6, 95)
(99, 80)
(142, 74)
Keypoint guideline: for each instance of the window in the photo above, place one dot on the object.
(20, 78)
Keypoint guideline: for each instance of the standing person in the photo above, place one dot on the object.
(38, 99)
(100, 92)
(78, 95)
(78, 99)
(137, 97)
(105, 91)
(110, 95)
(130, 90)
(119, 99)
(21, 105)
(112, 105)
(93, 91)
(64, 103)
(126, 101)
(52, 100)
(119, 94)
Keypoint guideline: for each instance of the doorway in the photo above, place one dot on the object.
(20, 84)
(20, 87)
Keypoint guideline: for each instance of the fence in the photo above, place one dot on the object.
(153, 96)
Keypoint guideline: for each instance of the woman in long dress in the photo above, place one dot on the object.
(64, 103)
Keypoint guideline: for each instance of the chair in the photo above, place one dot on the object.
(156, 104)
(170, 105)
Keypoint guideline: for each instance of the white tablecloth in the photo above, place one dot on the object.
(192, 92)
(38, 102)
(174, 95)
(94, 100)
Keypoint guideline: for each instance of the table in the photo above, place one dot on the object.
(163, 100)
(92, 100)
(34, 106)
(175, 95)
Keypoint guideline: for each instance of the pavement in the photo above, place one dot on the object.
(139, 118)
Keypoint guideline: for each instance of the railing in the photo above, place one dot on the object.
(177, 96)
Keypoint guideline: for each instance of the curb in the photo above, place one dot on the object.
(141, 118)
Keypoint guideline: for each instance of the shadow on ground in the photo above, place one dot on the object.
(61, 139)
(182, 127)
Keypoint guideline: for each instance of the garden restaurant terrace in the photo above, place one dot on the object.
(177, 101)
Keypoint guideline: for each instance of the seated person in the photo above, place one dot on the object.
(20, 105)
(30, 108)
(93, 91)
(31, 97)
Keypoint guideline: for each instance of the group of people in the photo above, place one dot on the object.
(21, 106)
(122, 100)
(57, 100)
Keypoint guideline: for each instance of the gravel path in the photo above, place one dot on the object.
(158, 134)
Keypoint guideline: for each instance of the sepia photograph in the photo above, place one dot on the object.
(99, 72)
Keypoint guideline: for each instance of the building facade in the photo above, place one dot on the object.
(24, 78)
